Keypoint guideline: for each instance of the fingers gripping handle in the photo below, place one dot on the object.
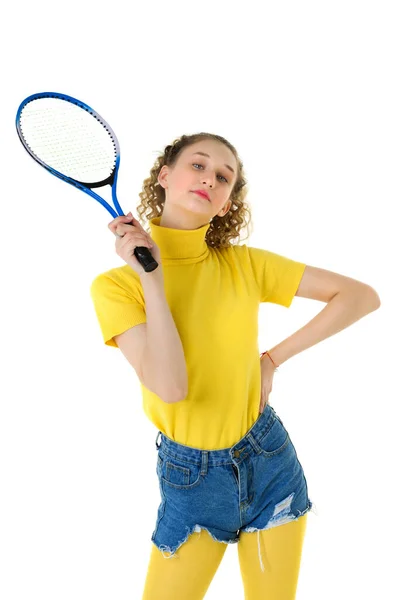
(145, 257)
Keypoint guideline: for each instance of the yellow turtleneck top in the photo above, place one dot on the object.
(214, 296)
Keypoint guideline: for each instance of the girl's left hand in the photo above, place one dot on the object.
(267, 375)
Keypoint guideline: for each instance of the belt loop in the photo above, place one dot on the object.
(158, 445)
(204, 462)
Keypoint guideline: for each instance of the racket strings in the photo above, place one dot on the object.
(68, 139)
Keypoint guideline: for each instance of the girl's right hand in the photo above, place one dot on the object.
(131, 234)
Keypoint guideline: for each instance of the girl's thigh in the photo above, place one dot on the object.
(186, 575)
(280, 549)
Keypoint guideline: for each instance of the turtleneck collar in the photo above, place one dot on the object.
(179, 245)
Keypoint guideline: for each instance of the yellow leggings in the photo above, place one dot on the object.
(188, 575)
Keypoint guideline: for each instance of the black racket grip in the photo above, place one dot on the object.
(145, 258)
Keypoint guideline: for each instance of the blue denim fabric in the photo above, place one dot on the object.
(256, 484)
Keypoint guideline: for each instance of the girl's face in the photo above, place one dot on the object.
(216, 174)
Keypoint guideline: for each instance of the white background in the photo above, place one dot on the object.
(308, 93)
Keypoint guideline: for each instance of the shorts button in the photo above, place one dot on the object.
(236, 454)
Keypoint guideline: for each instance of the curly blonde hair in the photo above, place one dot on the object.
(222, 229)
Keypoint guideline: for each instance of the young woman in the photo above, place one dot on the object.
(227, 468)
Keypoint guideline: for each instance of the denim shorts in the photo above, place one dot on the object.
(256, 484)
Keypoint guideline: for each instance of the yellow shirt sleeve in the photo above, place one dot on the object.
(118, 306)
(278, 276)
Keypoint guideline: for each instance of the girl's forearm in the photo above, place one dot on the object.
(345, 308)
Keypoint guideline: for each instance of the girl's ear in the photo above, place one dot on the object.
(163, 176)
(229, 204)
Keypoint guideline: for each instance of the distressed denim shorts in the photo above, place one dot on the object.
(256, 484)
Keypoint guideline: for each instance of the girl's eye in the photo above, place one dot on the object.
(199, 165)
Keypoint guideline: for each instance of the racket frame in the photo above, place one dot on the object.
(83, 186)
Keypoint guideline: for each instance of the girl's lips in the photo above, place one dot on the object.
(202, 195)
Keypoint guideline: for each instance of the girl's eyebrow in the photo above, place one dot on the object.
(208, 156)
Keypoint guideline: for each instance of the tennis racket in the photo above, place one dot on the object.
(73, 142)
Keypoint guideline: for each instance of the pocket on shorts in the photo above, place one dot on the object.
(275, 439)
(178, 473)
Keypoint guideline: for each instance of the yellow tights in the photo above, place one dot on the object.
(187, 576)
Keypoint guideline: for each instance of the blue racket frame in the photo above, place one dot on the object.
(83, 186)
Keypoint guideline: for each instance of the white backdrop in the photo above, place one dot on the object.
(309, 95)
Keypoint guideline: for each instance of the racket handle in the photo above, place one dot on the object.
(145, 258)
